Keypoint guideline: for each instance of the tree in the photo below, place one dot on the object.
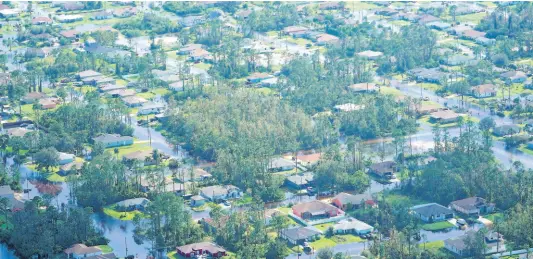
(453, 11)
(46, 158)
(277, 249)
(326, 253)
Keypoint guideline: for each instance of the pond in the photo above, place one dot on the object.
(6, 253)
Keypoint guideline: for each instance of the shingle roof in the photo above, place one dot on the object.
(314, 207)
(6, 190)
(204, 246)
(299, 233)
(431, 209)
(346, 198)
(470, 203)
(351, 223)
(81, 249)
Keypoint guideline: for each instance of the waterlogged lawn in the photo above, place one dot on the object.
(110, 211)
(106, 249)
(346, 239)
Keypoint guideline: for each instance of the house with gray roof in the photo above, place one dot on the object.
(299, 181)
(114, 140)
(281, 164)
(346, 201)
(299, 235)
(132, 204)
(493, 243)
(473, 206)
(432, 212)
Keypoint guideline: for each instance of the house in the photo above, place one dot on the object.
(17, 132)
(257, 77)
(132, 204)
(8, 13)
(114, 140)
(352, 226)
(514, 76)
(220, 192)
(368, 54)
(192, 20)
(70, 34)
(65, 158)
(41, 21)
(79, 251)
(200, 55)
(506, 130)
(98, 80)
(384, 169)
(269, 214)
(308, 159)
(134, 101)
(72, 6)
(485, 41)
(151, 108)
(195, 174)
(427, 18)
(125, 12)
(103, 256)
(444, 116)
(48, 103)
(199, 250)
(432, 75)
(112, 87)
(438, 25)
(473, 205)
(494, 243)
(299, 235)
(348, 107)
(144, 156)
(329, 5)
(299, 181)
(103, 15)
(324, 38)
(424, 108)
(87, 74)
(197, 201)
(119, 92)
(189, 48)
(295, 31)
(315, 210)
(33, 97)
(483, 91)
(346, 201)
(68, 18)
(8, 193)
(459, 59)
(472, 34)
(281, 164)
(243, 15)
(432, 212)
(363, 87)
(70, 167)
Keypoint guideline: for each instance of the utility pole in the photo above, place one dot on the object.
(126, 243)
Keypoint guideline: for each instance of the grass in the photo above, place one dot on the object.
(474, 17)
(494, 216)
(390, 90)
(146, 95)
(400, 23)
(322, 243)
(52, 176)
(434, 246)
(284, 210)
(138, 146)
(429, 86)
(122, 82)
(394, 198)
(27, 109)
(324, 227)
(161, 91)
(264, 90)
(360, 5)
(246, 199)
(345, 239)
(110, 211)
(526, 150)
(437, 226)
(106, 249)
(299, 41)
(272, 33)
(202, 65)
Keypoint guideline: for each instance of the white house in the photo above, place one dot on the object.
(220, 192)
(352, 226)
(151, 108)
(65, 158)
(79, 251)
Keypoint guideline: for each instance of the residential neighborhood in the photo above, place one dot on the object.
(233, 129)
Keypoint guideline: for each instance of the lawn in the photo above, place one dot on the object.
(246, 199)
(324, 227)
(137, 146)
(146, 95)
(52, 176)
(390, 90)
(106, 249)
(161, 91)
(494, 216)
(285, 210)
(474, 17)
(400, 23)
(121, 82)
(429, 86)
(110, 211)
(202, 65)
(526, 150)
(265, 90)
(437, 226)
(360, 5)
(27, 109)
(299, 41)
(345, 239)
(322, 243)
(394, 198)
